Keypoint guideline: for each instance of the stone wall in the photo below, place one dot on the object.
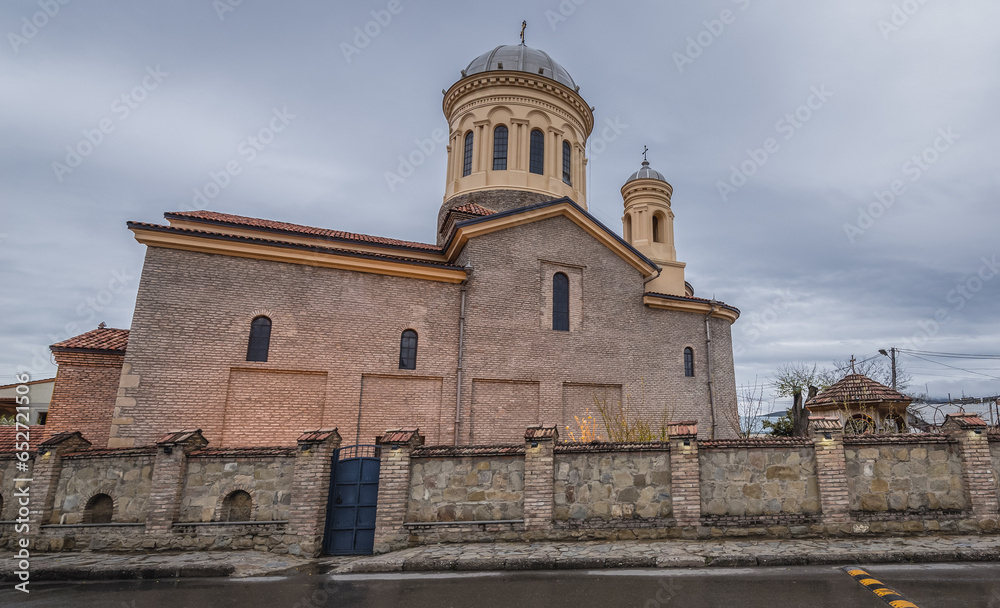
(995, 455)
(758, 478)
(466, 488)
(612, 485)
(8, 473)
(124, 475)
(903, 474)
(214, 474)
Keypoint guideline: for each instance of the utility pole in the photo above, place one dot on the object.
(892, 355)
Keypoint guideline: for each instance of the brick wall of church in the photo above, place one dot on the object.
(83, 398)
(335, 346)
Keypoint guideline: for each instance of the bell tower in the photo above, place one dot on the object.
(648, 225)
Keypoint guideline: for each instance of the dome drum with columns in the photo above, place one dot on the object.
(517, 124)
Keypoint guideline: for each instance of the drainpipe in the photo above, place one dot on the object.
(652, 278)
(461, 344)
(708, 351)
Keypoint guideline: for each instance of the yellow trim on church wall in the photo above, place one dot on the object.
(701, 308)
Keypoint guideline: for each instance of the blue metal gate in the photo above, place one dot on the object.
(350, 513)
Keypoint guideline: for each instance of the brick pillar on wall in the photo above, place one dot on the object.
(394, 487)
(539, 476)
(311, 489)
(48, 467)
(685, 473)
(169, 468)
(977, 463)
(831, 468)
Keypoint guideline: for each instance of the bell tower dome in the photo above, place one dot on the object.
(518, 131)
(648, 225)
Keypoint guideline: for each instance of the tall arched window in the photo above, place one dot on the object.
(560, 302)
(467, 166)
(689, 362)
(260, 339)
(567, 163)
(657, 237)
(536, 158)
(100, 509)
(408, 350)
(628, 229)
(500, 148)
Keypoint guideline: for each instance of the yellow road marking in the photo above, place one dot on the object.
(879, 589)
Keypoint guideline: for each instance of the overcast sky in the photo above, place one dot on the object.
(777, 123)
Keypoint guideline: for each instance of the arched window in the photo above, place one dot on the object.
(467, 166)
(536, 158)
(237, 506)
(408, 350)
(657, 231)
(689, 362)
(567, 163)
(860, 424)
(260, 339)
(500, 148)
(100, 509)
(628, 229)
(560, 302)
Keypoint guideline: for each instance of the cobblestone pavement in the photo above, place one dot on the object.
(677, 554)
(515, 556)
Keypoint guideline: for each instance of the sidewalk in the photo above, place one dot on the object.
(515, 556)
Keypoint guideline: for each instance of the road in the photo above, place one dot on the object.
(929, 586)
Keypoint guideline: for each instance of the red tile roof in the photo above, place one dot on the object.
(180, 437)
(103, 339)
(534, 433)
(856, 388)
(438, 451)
(756, 442)
(822, 423)
(307, 247)
(241, 452)
(399, 436)
(225, 219)
(594, 447)
(667, 296)
(683, 429)
(966, 421)
(317, 436)
(9, 440)
(473, 209)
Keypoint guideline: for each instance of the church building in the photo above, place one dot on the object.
(526, 310)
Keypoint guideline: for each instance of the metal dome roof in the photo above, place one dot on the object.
(520, 58)
(646, 172)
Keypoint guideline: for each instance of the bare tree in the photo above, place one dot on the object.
(750, 408)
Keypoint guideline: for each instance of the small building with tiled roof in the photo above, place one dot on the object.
(521, 310)
(863, 405)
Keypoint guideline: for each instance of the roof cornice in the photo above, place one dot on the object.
(692, 305)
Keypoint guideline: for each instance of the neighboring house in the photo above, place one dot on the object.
(39, 397)
(863, 405)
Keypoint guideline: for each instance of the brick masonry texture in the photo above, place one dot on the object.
(767, 481)
(995, 460)
(83, 398)
(335, 345)
(466, 489)
(612, 486)
(904, 478)
(8, 473)
(210, 480)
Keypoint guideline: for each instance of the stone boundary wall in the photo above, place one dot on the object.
(168, 496)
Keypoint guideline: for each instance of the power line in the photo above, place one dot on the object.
(953, 367)
(947, 355)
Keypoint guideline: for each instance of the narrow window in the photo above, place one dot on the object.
(567, 163)
(500, 148)
(99, 510)
(560, 302)
(536, 159)
(628, 229)
(689, 362)
(656, 229)
(408, 350)
(260, 339)
(42, 417)
(237, 506)
(467, 167)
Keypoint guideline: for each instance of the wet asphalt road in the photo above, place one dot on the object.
(929, 586)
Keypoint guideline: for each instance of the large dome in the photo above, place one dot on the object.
(520, 58)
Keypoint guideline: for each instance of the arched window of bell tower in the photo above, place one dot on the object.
(657, 227)
(536, 157)
(628, 228)
(467, 160)
(500, 148)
